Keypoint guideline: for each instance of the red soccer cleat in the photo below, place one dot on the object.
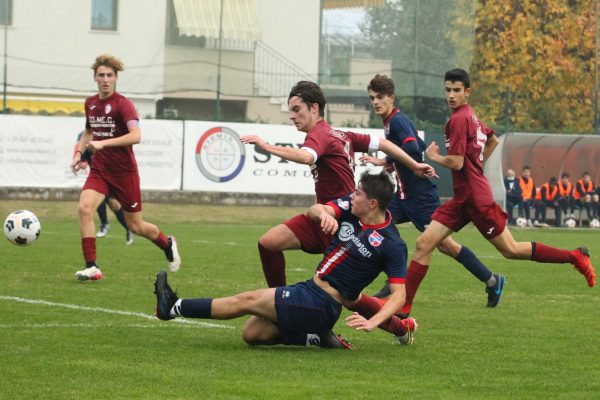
(584, 265)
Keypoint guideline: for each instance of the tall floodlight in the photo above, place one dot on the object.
(219, 63)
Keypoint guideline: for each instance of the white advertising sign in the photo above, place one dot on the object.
(37, 152)
(215, 160)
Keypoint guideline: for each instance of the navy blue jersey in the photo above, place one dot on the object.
(401, 131)
(358, 253)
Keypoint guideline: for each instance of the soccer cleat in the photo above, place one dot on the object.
(103, 231)
(494, 292)
(89, 273)
(165, 297)
(383, 292)
(129, 238)
(172, 255)
(330, 340)
(411, 327)
(584, 265)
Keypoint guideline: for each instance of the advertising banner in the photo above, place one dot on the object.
(215, 160)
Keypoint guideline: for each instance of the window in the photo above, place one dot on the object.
(104, 15)
(6, 12)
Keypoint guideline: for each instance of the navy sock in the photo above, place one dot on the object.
(467, 258)
(121, 217)
(295, 339)
(196, 308)
(102, 214)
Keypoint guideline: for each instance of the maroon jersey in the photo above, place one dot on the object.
(466, 136)
(107, 118)
(333, 170)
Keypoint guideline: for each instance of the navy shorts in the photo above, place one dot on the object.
(416, 210)
(305, 308)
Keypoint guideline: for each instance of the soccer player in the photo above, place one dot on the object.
(112, 128)
(417, 197)
(330, 154)
(469, 143)
(114, 205)
(365, 243)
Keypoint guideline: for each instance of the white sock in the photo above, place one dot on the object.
(176, 309)
(492, 281)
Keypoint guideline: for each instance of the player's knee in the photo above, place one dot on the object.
(85, 210)
(135, 227)
(423, 245)
(258, 331)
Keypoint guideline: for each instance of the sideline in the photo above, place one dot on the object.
(110, 311)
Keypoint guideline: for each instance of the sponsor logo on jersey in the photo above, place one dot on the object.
(375, 239)
(220, 155)
(346, 233)
(343, 204)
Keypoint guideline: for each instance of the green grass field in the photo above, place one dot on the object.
(63, 339)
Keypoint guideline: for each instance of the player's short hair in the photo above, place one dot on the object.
(108, 60)
(564, 175)
(526, 167)
(382, 84)
(378, 186)
(458, 75)
(552, 180)
(310, 93)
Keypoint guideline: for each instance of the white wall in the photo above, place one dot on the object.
(51, 47)
(292, 28)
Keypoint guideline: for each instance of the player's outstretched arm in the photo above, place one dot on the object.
(300, 156)
(326, 216)
(395, 302)
(420, 169)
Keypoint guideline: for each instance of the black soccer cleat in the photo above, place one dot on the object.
(165, 297)
(495, 291)
(330, 340)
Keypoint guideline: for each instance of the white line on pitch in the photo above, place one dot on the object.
(109, 311)
(217, 242)
(56, 325)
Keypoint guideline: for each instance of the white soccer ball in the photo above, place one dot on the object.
(22, 227)
(521, 222)
(570, 223)
(594, 223)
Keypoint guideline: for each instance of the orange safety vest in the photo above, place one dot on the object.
(526, 188)
(589, 189)
(567, 191)
(549, 196)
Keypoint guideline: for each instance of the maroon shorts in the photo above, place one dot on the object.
(490, 219)
(311, 237)
(124, 188)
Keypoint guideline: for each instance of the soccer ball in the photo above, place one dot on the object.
(22, 228)
(570, 223)
(594, 223)
(521, 222)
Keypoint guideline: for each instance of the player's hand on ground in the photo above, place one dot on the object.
(425, 171)
(365, 158)
(357, 321)
(329, 224)
(253, 139)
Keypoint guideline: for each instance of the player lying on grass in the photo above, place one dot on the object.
(365, 243)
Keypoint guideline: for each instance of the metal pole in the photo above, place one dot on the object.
(219, 64)
(416, 63)
(4, 105)
(596, 121)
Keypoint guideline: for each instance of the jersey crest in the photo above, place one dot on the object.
(375, 239)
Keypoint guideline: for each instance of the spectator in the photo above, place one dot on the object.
(529, 192)
(565, 195)
(547, 196)
(514, 195)
(585, 196)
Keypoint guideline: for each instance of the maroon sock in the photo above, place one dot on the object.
(546, 254)
(88, 245)
(273, 265)
(368, 306)
(415, 274)
(161, 241)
